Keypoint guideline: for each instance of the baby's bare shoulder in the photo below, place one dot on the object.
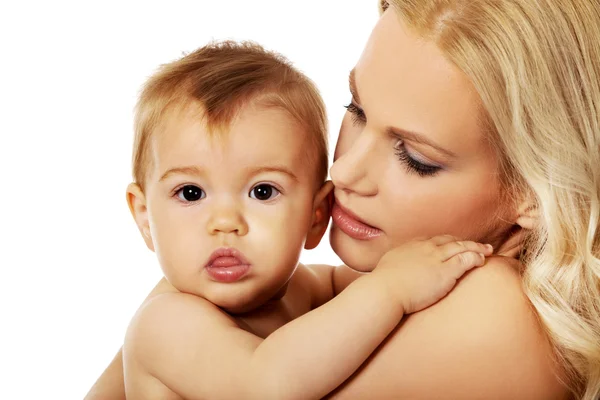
(173, 305)
(170, 316)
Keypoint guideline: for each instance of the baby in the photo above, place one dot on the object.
(230, 162)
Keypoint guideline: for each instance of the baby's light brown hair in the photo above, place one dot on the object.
(222, 78)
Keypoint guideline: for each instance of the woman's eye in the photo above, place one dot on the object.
(264, 192)
(190, 193)
(413, 165)
(358, 115)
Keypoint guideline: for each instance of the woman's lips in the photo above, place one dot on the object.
(227, 265)
(352, 226)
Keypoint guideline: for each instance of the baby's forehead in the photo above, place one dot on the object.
(257, 137)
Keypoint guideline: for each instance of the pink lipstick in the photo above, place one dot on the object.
(351, 225)
(227, 265)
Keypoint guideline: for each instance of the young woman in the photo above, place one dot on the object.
(485, 111)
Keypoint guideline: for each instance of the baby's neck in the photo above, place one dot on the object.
(267, 318)
(288, 304)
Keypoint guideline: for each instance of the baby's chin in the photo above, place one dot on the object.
(231, 304)
(225, 296)
(358, 255)
(238, 301)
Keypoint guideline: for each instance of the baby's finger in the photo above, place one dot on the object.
(443, 239)
(451, 249)
(462, 262)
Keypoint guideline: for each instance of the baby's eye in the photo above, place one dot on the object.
(190, 193)
(264, 192)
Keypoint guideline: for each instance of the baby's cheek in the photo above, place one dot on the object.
(273, 233)
(181, 249)
(282, 234)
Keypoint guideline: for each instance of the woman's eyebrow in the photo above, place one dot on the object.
(401, 133)
(418, 138)
(352, 84)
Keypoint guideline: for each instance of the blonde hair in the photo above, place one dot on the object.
(222, 78)
(536, 67)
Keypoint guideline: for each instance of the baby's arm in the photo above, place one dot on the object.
(326, 281)
(199, 352)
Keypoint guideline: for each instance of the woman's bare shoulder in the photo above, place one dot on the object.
(482, 341)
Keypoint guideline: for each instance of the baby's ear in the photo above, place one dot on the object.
(137, 206)
(321, 214)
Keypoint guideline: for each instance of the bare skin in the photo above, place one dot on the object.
(278, 349)
(491, 348)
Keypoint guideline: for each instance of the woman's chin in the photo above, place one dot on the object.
(360, 255)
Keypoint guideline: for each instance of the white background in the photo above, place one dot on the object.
(73, 267)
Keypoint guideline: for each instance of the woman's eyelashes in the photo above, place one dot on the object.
(358, 115)
(413, 165)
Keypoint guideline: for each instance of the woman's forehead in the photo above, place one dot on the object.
(406, 81)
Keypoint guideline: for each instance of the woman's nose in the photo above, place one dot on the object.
(353, 170)
(227, 218)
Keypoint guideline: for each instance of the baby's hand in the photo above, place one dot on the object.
(421, 272)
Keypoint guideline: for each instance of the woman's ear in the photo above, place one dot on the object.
(527, 217)
(321, 214)
(137, 206)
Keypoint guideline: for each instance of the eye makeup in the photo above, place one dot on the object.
(412, 163)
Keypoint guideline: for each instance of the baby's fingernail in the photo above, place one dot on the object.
(489, 247)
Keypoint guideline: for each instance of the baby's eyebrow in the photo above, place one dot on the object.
(189, 170)
(272, 168)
